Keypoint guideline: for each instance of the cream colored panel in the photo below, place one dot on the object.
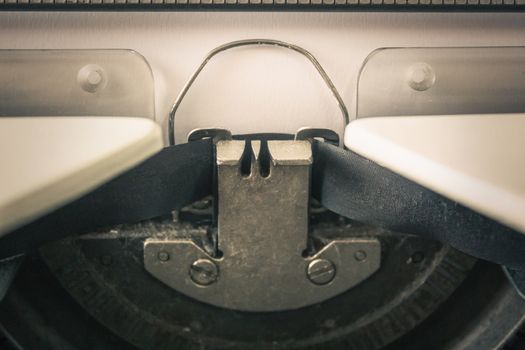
(476, 160)
(49, 161)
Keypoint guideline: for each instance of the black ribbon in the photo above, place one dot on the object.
(342, 181)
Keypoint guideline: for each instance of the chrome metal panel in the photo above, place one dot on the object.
(262, 261)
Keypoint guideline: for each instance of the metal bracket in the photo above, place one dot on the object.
(215, 133)
(327, 135)
(263, 200)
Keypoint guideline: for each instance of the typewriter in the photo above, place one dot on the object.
(262, 174)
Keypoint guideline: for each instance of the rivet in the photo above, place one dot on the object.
(360, 255)
(421, 76)
(163, 256)
(92, 78)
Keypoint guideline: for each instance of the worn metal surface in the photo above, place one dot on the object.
(213, 133)
(321, 271)
(75, 83)
(440, 81)
(262, 261)
(104, 273)
(307, 133)
(341, 41)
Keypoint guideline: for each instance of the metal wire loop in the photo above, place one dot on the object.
(250, 42)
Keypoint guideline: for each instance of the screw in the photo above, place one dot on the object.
(163, 256)
(360, 255)
(321, 271)
(204, 272)
(421, 76)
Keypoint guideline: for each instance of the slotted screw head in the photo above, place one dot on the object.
(204, 272)
(321, 271)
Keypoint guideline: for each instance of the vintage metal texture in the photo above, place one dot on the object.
(441, 81)
(75, 83)
(259, 263)
(104, 273)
